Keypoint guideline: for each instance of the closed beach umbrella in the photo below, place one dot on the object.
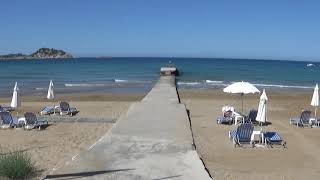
(50, 94)
(315, 99)
(241, 88)
(15, 102)
(262, 109)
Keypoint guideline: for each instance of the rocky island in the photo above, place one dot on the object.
(42, 53)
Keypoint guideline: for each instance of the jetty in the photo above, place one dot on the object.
(153, 140)
(169, 70)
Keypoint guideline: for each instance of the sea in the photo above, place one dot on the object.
(138, 75)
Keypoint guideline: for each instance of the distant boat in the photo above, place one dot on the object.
(310, 65)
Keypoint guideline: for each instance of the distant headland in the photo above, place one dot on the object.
(42, 53)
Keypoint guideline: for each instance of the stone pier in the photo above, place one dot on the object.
(152, 140)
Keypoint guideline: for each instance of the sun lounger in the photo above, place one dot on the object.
(65, 109)
(48, 110)
(7, 121)
(2, 109)
(251, 118)
(304, 119)
(273, 138)
(226, 118)
(6, 108)
(31, 121)
(242, 135)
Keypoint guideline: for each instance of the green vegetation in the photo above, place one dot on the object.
(42, 53)
(16, 165)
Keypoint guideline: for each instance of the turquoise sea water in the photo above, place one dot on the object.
(138, 74)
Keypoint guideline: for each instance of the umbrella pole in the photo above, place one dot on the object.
(54, 108)
(242, 102)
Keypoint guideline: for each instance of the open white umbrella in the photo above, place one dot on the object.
(50, 94)
(262, 109)
(315, 99)
(241, 88)
(15, 102)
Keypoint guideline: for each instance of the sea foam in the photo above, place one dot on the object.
(83, 85)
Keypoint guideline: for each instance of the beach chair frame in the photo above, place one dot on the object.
(65, 109)
(242, 135)
(274, 138)
(6, 120)
(31, 121)
(303, 120)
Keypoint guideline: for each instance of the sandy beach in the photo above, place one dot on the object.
(299, 161)
(53, 147)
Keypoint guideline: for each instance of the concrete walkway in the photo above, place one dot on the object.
(152, 140)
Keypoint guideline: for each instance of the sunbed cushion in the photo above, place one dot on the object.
(305, 116)
(72, 110)
(252, 115)
(233, 133)
(272, 136)
(47, 109)
(221, 119)
(64, 106)
(31, 118)
(6, 117)
(244, 132)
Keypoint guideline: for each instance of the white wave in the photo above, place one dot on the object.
(189, 83)
(120, 80)
(310, 65)
(83, 85)
(283, 86)
(132, 81)
(39, 88)
(214, 82)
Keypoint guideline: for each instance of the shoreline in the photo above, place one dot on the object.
(136, 96)
(81, 97)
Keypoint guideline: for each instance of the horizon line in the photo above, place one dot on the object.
(190, 57)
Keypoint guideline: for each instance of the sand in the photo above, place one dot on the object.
(57, 144)
(300, 160)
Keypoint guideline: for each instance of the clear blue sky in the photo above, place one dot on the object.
(246, 29)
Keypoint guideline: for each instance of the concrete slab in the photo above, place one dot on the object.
(152, 140)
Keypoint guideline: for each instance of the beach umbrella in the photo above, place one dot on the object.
(241, 88)
(15, 102)
(315, 99)
(262, 109)
(50, 94)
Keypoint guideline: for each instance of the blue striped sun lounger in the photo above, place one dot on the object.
(7, 121)
(273, 138)
(33, 122)
(48, 110)
(303, 120)
(242, 135)
(65, 109)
